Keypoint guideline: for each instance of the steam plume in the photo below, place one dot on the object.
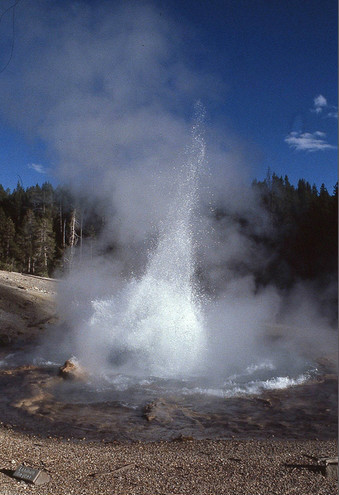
(110, 89)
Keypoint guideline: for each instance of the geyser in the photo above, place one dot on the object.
(155, 323)
(185, 317)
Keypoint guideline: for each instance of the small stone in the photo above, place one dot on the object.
(72, 370)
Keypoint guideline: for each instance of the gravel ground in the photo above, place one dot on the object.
(248, 467)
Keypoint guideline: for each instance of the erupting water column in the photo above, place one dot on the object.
(155, 325)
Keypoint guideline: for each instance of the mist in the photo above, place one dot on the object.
(111, 93)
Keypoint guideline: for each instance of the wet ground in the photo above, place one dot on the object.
(36, 399)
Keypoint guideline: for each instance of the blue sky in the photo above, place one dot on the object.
(266, 72)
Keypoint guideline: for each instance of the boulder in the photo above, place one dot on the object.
(160, 411)
(71, 370)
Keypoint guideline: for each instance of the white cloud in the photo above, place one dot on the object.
(308, 141)
(333, 114)
(37, 167)
(313, 141)
(319, 103)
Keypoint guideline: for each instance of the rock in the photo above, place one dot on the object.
(72, 370)
(159, 410)
(183, 438)
(164, 412)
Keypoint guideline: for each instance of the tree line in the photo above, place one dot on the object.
(42, 227)
(305, 239)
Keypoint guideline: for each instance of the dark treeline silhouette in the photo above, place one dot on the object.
(40, 228)
(305, 239)
(300, 244)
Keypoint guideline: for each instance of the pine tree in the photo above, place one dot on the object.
(26, 242)
(7, 244)
(44, 246)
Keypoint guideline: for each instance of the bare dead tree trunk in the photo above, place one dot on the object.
(61, 225)
(73, 237)
(64, 234)
(81, 229)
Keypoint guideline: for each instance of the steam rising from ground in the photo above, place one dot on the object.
(109, 90)
(166, 322)
(155, 323)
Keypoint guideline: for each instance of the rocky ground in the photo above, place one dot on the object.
(183, 466)
(27, 307)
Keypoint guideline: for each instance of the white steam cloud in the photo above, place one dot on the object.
(110, 89)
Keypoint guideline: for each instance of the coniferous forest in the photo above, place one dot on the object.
(41, 226)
